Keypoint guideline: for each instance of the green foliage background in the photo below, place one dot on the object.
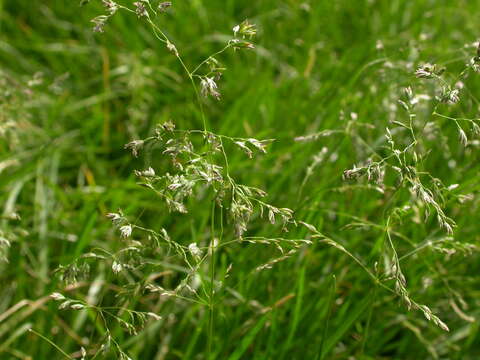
(316, 62)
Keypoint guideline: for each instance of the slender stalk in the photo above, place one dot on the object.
(212, 285)
(51, 343)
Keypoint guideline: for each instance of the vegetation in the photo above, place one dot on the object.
(231, 180)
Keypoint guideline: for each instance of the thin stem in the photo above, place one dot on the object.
(212, 284)
(51, 343)
(163, 37)
(210, 57)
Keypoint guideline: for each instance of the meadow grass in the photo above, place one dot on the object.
(324, 81)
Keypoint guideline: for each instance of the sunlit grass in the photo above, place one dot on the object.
(324, 82)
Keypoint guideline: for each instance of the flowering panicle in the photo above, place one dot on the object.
(209, 87)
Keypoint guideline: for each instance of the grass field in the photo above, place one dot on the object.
(375, 150)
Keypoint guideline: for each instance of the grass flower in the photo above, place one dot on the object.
(126, 231)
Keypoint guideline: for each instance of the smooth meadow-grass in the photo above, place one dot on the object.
(126, 84)
(204, 170)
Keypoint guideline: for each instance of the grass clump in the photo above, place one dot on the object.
(202, 186)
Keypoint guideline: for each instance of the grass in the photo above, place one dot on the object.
(314, 65)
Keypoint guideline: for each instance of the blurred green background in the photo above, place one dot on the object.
(77, 97)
